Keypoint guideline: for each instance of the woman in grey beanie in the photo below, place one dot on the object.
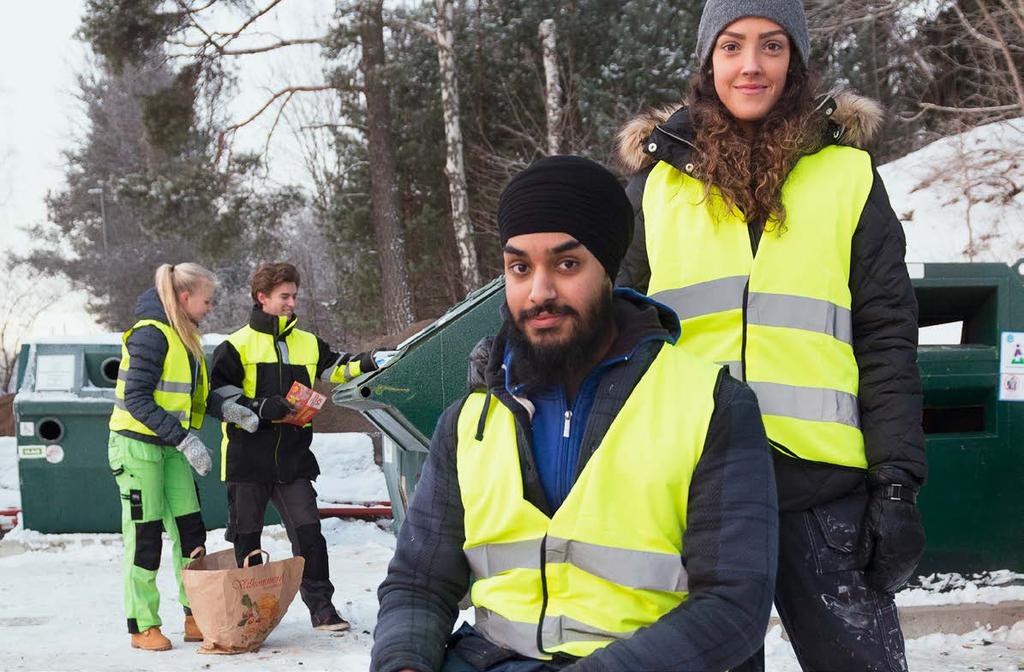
(761, 221)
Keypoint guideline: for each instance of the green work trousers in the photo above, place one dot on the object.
(158, 493)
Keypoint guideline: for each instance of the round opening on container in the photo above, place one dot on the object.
(50, 430)
(109, 368)
(366, 392)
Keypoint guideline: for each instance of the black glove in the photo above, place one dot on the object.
(366, 363)
(271, 408)
(892, 536)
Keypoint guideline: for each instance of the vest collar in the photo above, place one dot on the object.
(279, 326)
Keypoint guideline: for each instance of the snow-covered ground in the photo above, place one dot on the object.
(60, 595)
(961, 198)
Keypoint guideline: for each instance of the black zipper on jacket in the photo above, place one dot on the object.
(544, 593)
(280, 384)
(743, 344)
(754, 239)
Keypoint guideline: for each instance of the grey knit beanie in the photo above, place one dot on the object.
(720, 13)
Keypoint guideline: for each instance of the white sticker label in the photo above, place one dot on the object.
(31, 452)
(27, 428)
(1011, 366)
(55, 373)
(1011, 387)
(54, 454)
(389, 451)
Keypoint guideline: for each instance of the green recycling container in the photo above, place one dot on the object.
(973, 504)
(405, 397)
(64, 399)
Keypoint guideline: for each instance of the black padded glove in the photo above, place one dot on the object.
(892, 536)
(271, 408)
(366, 363)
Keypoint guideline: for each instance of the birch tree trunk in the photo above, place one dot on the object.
(387, 221)
(553, 86)
(455, 167)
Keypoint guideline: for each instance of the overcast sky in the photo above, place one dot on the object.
(40, 118)
(37, 106)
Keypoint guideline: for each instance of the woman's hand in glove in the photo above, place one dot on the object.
(197, 454)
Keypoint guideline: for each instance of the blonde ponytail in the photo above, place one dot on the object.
(171, 280)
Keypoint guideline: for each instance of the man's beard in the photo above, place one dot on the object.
(538, 366)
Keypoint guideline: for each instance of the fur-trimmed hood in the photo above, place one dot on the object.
(854, 121)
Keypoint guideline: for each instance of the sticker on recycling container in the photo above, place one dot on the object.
(1011, 387)
(54, 454)
(31, 452)
(27, 428)
(1011, 366)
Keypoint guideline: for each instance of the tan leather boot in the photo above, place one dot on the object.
(192, 633)
(150, 639)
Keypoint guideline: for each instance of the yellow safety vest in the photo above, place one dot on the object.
(781, 320)
(173, 392)
(609, 560)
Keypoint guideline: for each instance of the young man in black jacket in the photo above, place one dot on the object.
(611, 495)
(256, 367)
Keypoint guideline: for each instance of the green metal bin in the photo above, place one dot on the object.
(405, 397)
(973, 504)
(64, 399)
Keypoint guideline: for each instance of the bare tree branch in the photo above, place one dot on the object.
(969, 110)
(287, 91)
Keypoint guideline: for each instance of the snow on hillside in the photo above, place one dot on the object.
(961, 198)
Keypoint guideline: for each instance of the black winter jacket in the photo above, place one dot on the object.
(147, 348)
(884, 307)
(277, 452)
(731, 539)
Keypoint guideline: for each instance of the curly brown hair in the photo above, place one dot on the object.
(748, 172)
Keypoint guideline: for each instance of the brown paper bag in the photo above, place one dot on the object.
(237, 608)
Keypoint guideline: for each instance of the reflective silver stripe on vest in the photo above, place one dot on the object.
(229, 392)
(161, 386)
(282, 348)
(180, 415)
(490, 560)
(807, 403)
(180, 388)
(520, 637)
(800, 312)
(556, 630)
(705, 298)
(642, 570)
(559, 630)
(735, 369)
(329, 371)
(635, 569)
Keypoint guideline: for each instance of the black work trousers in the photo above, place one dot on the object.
(296, 502)
(835, 622)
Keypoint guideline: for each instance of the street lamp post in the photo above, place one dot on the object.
(103, 215)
